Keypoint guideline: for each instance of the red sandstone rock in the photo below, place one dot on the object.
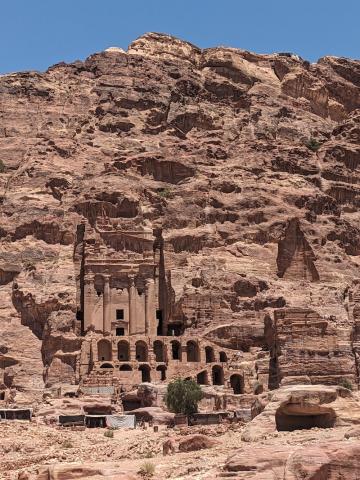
(154, 414)
(323, 461)
(196, 442)
(84, 471)
(304, 407)
(248, 166)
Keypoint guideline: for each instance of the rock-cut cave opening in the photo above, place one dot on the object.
(303, 418)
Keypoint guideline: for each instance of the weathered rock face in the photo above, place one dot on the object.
(308, 345)
(303, 407)
(84, 471)
(328, 461)
(196, 442)
(248, 163)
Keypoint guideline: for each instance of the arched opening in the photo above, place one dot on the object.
(192, 351)
(237, 384)
(104, 350)
(159, 351)
(2, 395)
(123, 351)
(175, 350)
(162, 370)
(222, 357)
(125, 368)
(145, 373)
(106, 365)
(209, 355)
(141, 351)
(202, 378)
(217, 375)
(303, 417)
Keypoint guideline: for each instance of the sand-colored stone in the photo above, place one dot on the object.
(323, 461)
(304, 406)
(218, 187)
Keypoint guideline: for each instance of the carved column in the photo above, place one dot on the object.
(89, 294)
(202, 353)
(150, 311)
(106, 305)
(132, 305)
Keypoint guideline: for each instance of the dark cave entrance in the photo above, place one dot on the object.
(145, 373)
(237, 384)
(290, 420)
(202, 378)
(217, 375)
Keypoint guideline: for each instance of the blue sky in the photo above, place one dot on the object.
(35, 34)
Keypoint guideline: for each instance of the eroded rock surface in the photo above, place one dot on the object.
(248, 163)
(323, 461)
(303, 407)
(246, 169)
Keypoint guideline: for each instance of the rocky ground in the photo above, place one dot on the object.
(26, 447)
(39, 444)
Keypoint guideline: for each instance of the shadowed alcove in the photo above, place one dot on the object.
(303, 417)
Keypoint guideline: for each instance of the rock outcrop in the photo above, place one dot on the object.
(249, 166)
(328, 461)
(84, 471)
(303, 407)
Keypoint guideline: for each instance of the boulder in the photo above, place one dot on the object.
(155, 414)
(196, 442)
(302, 407)
(328, 461)
(84, 471)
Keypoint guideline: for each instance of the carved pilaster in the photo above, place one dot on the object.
(150, 310)
(132, 305)
(89, 294)
(106, 305)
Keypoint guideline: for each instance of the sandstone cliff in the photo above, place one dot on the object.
(249, 164)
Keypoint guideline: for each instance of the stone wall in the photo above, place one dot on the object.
(307, 345)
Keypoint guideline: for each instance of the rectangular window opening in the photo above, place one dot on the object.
(120, 331)
(159, 318)
(120, 314)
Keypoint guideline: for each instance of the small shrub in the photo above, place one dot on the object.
(345, 382)
(313, 144)
(109, 434)
(147, 469)
(67, 444)
(183, 396)
(2, 167)
(165, 193)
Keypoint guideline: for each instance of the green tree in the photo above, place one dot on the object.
(183, 396)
